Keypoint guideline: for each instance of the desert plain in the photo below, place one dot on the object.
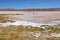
(21, 32)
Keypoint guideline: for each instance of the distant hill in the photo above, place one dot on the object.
(36, 9)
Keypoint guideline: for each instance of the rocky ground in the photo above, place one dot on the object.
(30, 33)
(21, 32)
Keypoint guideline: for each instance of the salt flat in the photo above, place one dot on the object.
(33, 16)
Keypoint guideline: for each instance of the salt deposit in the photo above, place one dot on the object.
(25, 23)
(55, 34)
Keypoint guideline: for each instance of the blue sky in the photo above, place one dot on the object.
(22, 4)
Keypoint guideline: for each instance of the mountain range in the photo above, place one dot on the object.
(32, 9)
